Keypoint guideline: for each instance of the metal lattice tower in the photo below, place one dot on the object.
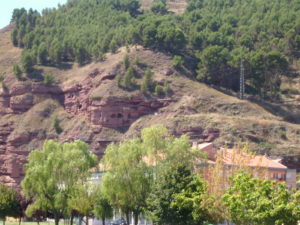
(242, 80)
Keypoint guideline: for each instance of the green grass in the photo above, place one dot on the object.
(28, 223)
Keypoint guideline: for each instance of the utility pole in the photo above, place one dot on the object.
(242, 80)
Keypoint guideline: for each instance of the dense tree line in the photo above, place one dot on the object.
(157, 175)
(218, 34)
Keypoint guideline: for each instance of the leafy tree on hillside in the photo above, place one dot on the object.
(113, 46)
(158, 91)
(231, 30)
(126, 62)
(48, 81)
(56, 51)
(129, 78)
(52, 173)
(267, 71)
(131, 6)
(214, 67)
(178, 62)
(27, 62)
(167, 89)
(147, 82)
(14, 37)
(17, 71)
(159, 7)
(42, 54)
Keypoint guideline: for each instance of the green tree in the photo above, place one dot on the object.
(159, 7)
(268, 67)
(126, 62)
(14, 37)
(119, 80)
(127, 182)
(27, 62)
(102, 208)
(159, 91)
(129, 79)
(191, 200)
(52, 173)
(167, 89)
(56, 125)
(165, 204)
(147, 82)
(9, 203)
(42, 54)
(81, 199)
(173, 172)
(130, 6)
(113, 46)
(48, 81)
(259, 202)
(55, 52)
(177, 62)
(214, 67)
(17, 71)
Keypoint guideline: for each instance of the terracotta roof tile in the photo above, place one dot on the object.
(233, 157)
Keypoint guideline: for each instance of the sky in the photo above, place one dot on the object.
(7, 7)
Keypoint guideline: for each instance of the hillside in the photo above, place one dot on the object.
(91, 107)
(109, 94)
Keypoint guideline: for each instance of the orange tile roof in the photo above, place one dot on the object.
(233, 157)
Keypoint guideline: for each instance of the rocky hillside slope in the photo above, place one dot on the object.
(88, 105)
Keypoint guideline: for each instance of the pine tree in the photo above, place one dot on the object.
(42, 54)
(147, 82)
(129, 79)
(27, 62)
(17, 71)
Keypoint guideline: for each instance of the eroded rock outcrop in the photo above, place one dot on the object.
(106, 113)
(119, 112)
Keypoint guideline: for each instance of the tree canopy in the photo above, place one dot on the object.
(9, 202)
(260, 202)
(52, 174)
(217, 34)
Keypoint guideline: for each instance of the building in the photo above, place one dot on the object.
(232, 160)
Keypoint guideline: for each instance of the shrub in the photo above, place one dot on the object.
(2, 81)
(2, 77)
(159, 7)
(178, 62)
(158, 90)
(42, 54)
(167, 89)
(139, 62)
(113, 46)
(17, 71)
(27, 62)
(126, 62)
(56, 125)
(119, 80)
(129, 80)
(127, 48)
(147, 82)
(48, 79)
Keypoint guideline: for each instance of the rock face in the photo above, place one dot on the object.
(120, 112)
(107, 113)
